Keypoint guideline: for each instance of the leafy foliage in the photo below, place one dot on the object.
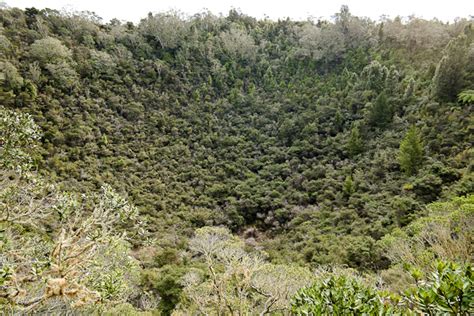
(236, 282)
(17, 135)
(411, 152)
(285, 132)
(49, 50)
(449, 75)
(57, 251)
(445, 233)
(448, 290)
(466, 97)
(338, 295)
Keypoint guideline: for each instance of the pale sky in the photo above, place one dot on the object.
(134, 10)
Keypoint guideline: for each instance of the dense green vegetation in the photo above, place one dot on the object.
(258, 157)
(422, 280)
(448, 291)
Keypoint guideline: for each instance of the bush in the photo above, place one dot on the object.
(338, 295)
(49, 50)
(448, 290)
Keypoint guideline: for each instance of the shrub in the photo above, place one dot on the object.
(338, 295)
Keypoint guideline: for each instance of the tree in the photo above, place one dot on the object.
(353, 29)
(5, 46)
(85, 263)
(168, 29)
(49, 50)
(59, 251)
(63, 74)
(409, 89)
(450, 71)
(320, 43)
(411, 154)
(101, 62)
(355, 144)
(236, 282)
(9, 76)
(374, 77)
(18, 136)
(348, 186)
(238, 43)
(23, 198)
(380, 112)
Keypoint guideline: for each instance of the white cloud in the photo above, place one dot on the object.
(446, 10)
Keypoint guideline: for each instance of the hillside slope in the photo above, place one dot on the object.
(287, 132)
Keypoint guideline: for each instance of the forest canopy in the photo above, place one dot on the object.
(229, 165)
